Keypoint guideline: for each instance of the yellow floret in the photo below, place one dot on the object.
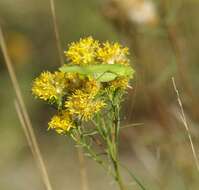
(61, 123)
(120, 82)
(113, 54)
(49, 86)
(83, 105)
(82, 52)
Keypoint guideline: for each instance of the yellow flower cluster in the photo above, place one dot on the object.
(82, 52)
(61, 122)
(49, 86)
(79, 93)
(78, 97)
(52, 86)
(89, 51)
(113, 53)
(83, 105)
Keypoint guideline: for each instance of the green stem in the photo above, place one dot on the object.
(109, 131)
(118, 177)
(115, 139)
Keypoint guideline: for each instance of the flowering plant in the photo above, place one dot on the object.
(87, 93)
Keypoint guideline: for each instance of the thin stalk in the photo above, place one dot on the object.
(56, 31)
(112, 146)
(116, 162)
(118, 177)
(83, 172)
(23, 124)
(185, 123)
(24, 114)
(110, 133)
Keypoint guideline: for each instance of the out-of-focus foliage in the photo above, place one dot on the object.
(163, 37)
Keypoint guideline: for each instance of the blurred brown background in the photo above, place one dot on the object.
(163, 39)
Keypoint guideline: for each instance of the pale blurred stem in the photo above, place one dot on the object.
(82, 163)
(23, 115)
(56, 31)
(184, 120)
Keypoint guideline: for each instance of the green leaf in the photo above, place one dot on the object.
(103, 73)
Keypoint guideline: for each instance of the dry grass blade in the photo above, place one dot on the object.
(81, 159)
(23, 124)
(83, 172)
(25, 129)
(132, 125)
(183, 117)
(56, 30)
(24, 113)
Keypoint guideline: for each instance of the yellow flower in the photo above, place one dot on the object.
(49, 86)
(119, 82)
(113, 54)
(82, 52)
(61, 123)
(83, 105)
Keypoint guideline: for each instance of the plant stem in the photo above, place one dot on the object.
(117, 175)
(115, 139)
(109, 131)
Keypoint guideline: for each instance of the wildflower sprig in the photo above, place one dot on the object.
(87, 93)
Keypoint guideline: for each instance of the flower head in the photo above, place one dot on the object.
(49, 86)
(113, 54)
(82, 52)
(83, 105)
(61, 123)
(119, 82)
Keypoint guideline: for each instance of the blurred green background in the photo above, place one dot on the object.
(163, 39)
